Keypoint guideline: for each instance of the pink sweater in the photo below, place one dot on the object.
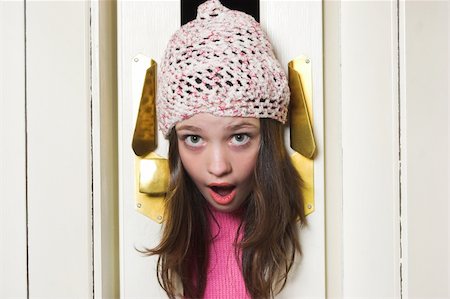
(224, 280)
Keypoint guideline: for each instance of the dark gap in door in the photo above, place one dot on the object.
(189, 8)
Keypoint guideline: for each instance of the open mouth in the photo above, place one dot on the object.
(223, 191)
(222, 194)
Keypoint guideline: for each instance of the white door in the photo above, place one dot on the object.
(144, 28)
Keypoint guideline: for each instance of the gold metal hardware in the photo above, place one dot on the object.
(151, 171)
(149, 204)
(153, 175)
(301, 133)
(305, 168)
(302, 138)
(145, 132)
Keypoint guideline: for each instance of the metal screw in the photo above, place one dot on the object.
(159, 218)
(310, 206)
(136, 59)
(307, 60)
(139, 205)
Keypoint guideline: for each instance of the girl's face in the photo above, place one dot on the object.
(219, 154)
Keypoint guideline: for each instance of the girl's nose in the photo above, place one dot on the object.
(219, 165)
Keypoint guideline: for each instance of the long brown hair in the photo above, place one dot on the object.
(273, 214)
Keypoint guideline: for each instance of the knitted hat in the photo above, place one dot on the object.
(220, 63)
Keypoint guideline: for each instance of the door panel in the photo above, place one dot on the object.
(370, 150)
(13, 253)
(59, 150)
(295, 28)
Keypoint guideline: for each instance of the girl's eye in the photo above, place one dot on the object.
(193, 140)
(240, 139)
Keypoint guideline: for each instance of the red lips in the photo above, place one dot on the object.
(222, 193)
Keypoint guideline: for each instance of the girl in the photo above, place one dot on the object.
(234, 205)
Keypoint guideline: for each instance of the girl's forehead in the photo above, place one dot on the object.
(208, 122)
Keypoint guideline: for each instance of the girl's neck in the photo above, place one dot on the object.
(224, 276)
(238, 213)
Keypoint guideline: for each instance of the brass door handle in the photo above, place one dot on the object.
(145, 131)
(301, 129)
(151, 170)
(302, 137)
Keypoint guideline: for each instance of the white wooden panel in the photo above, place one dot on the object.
(370, 150)
(59, 150)
(333, 147)
(13, 247)
(295, 28)
(425, 146)
(145, 28)
(104, 148)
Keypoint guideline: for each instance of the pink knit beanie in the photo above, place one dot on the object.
(220, 63)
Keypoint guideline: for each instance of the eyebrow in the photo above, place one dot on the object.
(238, 126)
(231, 127)
(189, 128)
